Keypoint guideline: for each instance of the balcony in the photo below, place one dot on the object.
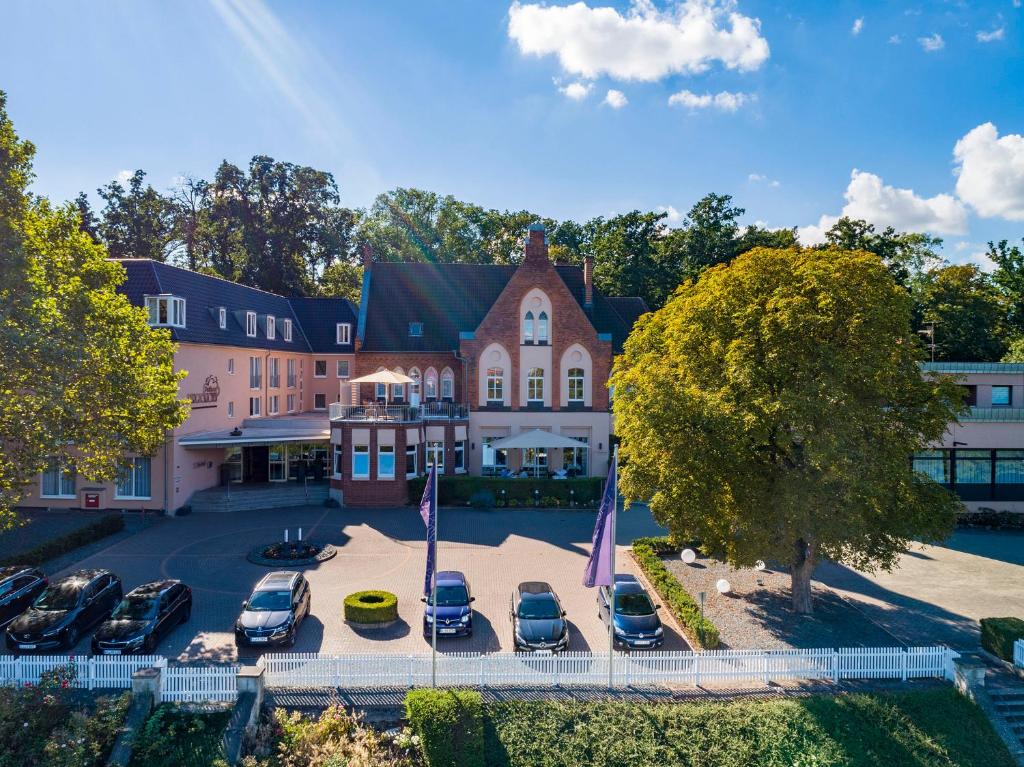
(398, 413)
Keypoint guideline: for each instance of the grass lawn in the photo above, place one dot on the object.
(929, 728)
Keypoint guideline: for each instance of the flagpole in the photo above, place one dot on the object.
(611, 589)
(433, 590)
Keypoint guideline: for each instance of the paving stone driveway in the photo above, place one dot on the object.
(377, 549)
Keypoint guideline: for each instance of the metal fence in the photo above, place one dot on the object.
(589, 669)
(1018, 653)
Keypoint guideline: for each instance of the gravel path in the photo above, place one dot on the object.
(756, 614)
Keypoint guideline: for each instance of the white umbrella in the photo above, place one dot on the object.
(388, 377)
(537, 438)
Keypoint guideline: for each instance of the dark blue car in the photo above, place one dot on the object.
(453, 611)
(636, 622)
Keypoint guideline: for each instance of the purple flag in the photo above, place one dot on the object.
(599, 566)
(428, 510)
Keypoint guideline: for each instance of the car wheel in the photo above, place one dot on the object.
(291, 638)
(71, 636)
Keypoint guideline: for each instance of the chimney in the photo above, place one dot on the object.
(367, 257)
(588, 281)
(536, 244)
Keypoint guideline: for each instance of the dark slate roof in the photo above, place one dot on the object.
(453, 298)
(204, 295)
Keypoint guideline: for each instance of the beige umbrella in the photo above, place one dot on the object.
(388, 377)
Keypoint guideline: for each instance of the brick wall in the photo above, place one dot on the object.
(369, 362)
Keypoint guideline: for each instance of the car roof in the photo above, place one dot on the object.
(625, 578)
(534, 588)
(154, 589)
(83, 576)
(450, 576)
(12, 570)
(278, 579)
(629, 587)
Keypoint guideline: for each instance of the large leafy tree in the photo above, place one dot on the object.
(83, 377)
(966, 309)
(1008, 279)
(907, 255)
(627, 258)
(770, 409)
(137, 220)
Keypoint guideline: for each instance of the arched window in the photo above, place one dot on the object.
(535, 385)
(381, 392)
(576, 385)
(528, 328)
(430, 384)
(414, 387)
(447, 384)
(398, 390)
(542, 328)
(495, 385)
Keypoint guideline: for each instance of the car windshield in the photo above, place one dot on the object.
(60, 596)
(544, 608)
(451, 596)
(270, 600)
(135, 609)
(633, 604)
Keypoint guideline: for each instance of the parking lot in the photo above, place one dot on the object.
(377, 549)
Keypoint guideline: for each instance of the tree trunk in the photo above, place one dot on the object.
(801, 570)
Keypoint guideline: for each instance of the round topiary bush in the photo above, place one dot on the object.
(370, 608)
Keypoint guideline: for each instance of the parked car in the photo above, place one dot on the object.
(65, 610)
(636, 623)
(538, 620)
(454, 612)
(274, 611)
(145, 616)
(19, 586)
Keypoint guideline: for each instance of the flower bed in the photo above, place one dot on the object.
(371, 608)
(290, 553)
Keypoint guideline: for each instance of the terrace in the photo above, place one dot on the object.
(377, 412)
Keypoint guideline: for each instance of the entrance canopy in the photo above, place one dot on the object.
(256, 436)
(537, 438)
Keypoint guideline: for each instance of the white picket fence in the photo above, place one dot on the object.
(198, 683)
(90, 672)
(1018, 653)
(576, 668)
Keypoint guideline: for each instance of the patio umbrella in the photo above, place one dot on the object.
(388, 377)
(537, 438)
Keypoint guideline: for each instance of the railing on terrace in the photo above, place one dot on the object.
(1018, 653)
(400, 413)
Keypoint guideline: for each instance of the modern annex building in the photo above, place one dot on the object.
(490, 353)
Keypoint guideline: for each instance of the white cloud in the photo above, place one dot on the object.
(868, 198)
(759, 178)
(674, 216)
(991, 37)
(576, 91)
(990, 172)
(643, 43)
(615, 99)
(725, 101)
(858, 25)
(123, 177)
(895, 39)
(932, 43)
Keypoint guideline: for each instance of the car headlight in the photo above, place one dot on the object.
(136, 642)
(52, 632)
(465, 618)
(282, 629)
(619, 632)
(519, 638)
(659, 631)
(428, 617)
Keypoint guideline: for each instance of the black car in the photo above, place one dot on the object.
(19, 586)
(538, 620)
(635, 623)
(144, 617)
(272, 613)
(65, 610)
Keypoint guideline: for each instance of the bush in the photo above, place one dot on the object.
(371, 607)
(482, 499)
(700, 631)
(101, 528)
(449, 724)
(173, 737)
(459, 491)
(990, 519)
(999, 634)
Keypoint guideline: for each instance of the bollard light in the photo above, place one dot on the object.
(689, 556)
(723, 586)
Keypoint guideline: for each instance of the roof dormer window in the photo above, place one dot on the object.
(415, 329)
(344, 332)
(222, 318)
(271, 327)
(250, 324)
(286, 330)
(166, 311)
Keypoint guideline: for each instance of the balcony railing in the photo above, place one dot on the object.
(427, 411)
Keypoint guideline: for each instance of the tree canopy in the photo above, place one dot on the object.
(769, 410)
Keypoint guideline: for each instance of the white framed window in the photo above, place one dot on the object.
(398, 392)
(535, 385)
(415, 329)
(319, 368)
(577, 459)
(435, 455)
(231, 366)
(542, 328)
(528, 328)
(493, 462)
(255, 406)
(380, 391)
(274, 372)
(417, 380)
(360, 461)
(286, 329)
(250, 324)
(343, 369)
(231, 409)
(272, 405)
(291, 403)
(495, 385)
(430, 384)
(343, 332)
(319, 401)
(291, 374)
(447, 384)
(410, 461)
(271, 327)
(385, 461)
(134, 479)
(460, 457)
(576, 379)
(339, 461)
(222, 318)
(255, 373)
(166, 310)
(58, 480)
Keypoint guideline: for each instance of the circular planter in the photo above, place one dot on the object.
(370, 610)
(291, 554)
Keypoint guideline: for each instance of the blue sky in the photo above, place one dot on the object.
(903, 113)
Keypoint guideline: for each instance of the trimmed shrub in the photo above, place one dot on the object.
(449, 724)
(371, 607)
(990, 519)
(700, 631)
(999, 634)
(55, 547)
(459, 491)
(482, 499)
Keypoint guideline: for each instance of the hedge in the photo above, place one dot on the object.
(55, 547)
(990, 519)
(699, 631)
(459, 491)
(449, 724)
(371, 607)
(999, 634)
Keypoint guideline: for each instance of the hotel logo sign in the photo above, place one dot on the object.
(208, 396)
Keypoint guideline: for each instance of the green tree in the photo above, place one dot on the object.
(754, 236)
(770, 408)
(138, 221)
(1015, 351)
(906, 254)
(83, 377)
(1008, 279)
(967, 312)
(90, 224)
(343, 280)
(628, 259)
